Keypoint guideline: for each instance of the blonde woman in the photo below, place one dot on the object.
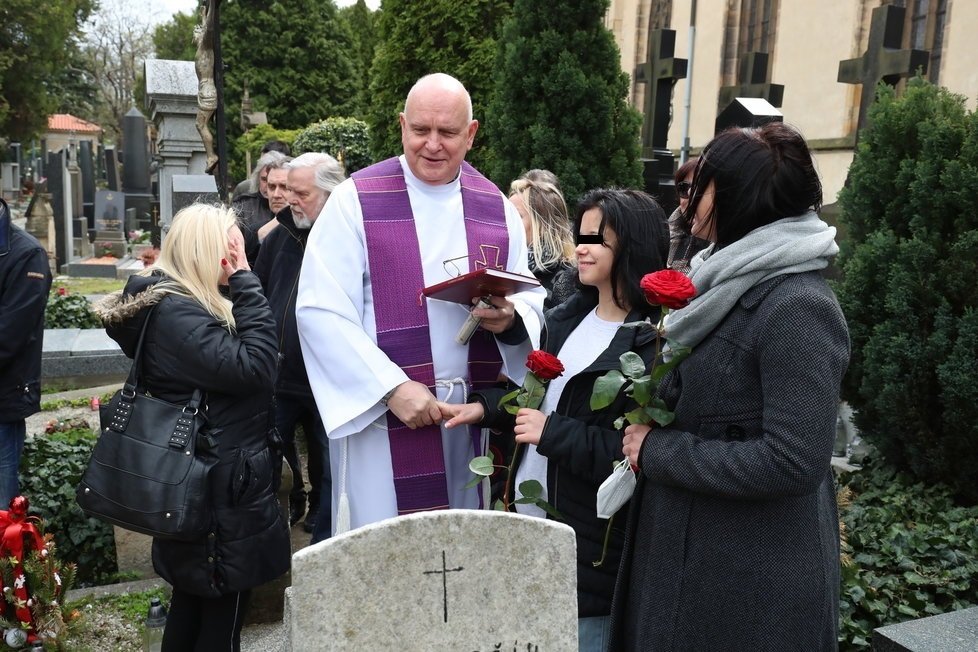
(548, 234)
(226, 347)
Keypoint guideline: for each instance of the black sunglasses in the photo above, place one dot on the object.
(683, 188)
(593, 239)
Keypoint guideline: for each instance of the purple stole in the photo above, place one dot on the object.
(397, 279)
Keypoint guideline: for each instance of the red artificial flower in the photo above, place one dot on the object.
(667, 288)
(544, 365)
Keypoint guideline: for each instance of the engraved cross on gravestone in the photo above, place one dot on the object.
(445, 570)
(883, 60)
(752, 82)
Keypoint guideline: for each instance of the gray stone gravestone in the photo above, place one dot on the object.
(171, 94)
(951, 632)
(57, 180)
(747, 112)
(191, 188)
(110, 211)
(448, 580)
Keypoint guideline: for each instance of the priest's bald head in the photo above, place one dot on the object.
(437, 128)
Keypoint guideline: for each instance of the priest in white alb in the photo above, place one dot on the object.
(379, 355)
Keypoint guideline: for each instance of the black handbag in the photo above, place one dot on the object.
(148, 470)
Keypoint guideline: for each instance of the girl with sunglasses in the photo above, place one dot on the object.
(621, 236)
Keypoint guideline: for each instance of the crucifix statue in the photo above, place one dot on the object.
(210, 87)
(883, 60)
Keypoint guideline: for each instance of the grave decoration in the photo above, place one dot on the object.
(33, 581)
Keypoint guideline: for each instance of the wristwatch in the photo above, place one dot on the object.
(386, 397)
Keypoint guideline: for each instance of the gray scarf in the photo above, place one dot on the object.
(788, 246)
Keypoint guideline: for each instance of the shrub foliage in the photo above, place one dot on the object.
(51, 467)
(913, 553)
(338, 137)
(69, 311)
(909, 291)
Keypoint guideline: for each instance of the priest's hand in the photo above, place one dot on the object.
(529, 426)
(499, 318)
(414, 405)
(461, 413)
(631, 445)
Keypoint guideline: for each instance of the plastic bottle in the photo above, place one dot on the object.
(155, 624)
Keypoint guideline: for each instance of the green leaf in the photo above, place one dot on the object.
(482, 465)
(532, 384)
(660, 369)
(619, 423)
(642, 389)
(632, 364)
(606, 388)
(508, 397)
(637, 416)
(499, 505)
(512, 409)
(531, 489)
(474, 481)
(661, 417)
(550, 509)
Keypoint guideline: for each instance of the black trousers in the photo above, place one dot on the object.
(196, 624)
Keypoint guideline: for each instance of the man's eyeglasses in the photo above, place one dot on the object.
(683, 188)
(592, 239)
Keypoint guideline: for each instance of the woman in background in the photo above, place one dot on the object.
(198, 339)
(548, 234)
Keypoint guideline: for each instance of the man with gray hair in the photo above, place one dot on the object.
(252, 207)
(310, 179)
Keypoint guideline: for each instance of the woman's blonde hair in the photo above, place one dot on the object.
(551, 241)
(191, 257)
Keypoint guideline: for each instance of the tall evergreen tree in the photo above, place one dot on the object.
(174, 39)
(295, 57)
(37, 41)
(908, 292)
(456, 37)
(361, 23)
(561, 100)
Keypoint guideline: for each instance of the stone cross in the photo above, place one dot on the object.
(659, 73)
(883, 60)
(752, 81)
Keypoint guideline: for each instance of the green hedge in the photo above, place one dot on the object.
(911, 552)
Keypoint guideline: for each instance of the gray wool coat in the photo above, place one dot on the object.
(733, 536)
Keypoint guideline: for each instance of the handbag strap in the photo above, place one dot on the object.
(127, 397)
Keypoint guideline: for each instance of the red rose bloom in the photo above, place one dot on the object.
(667, 288)
(544, 365)
(62, 292)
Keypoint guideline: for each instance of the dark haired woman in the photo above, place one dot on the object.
(682, 245)
(570, 450)
(733, 539)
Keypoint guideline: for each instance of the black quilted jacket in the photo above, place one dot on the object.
(187, 348)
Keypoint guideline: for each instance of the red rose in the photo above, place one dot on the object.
(544, 365)
(62, 292)
(667, 288)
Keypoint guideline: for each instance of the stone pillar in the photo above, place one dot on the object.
(171, 91)
(40, 224)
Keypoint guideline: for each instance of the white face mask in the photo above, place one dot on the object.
(616, 489)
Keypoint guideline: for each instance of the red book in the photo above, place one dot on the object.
(496, 282)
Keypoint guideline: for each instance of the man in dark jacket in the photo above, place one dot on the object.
(25, 280)
(253, 208)
(309, 179)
